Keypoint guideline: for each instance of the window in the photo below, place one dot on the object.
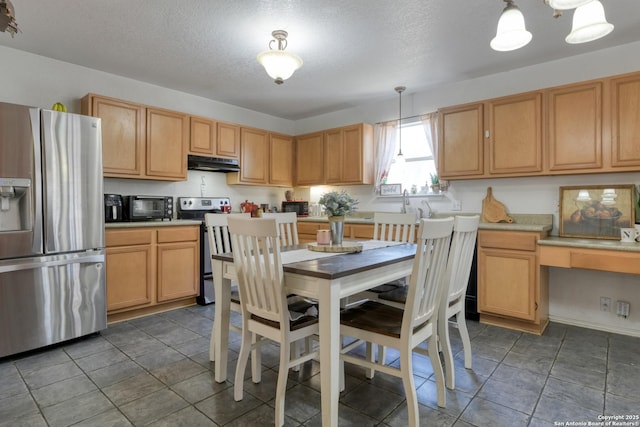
(418, 162)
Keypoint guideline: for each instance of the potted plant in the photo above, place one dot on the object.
(435, 183)
(337, 205)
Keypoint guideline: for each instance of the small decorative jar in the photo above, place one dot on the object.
(323, 237)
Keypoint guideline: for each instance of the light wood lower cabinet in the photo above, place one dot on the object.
(307, 231)
(512, 285)
(151, 269)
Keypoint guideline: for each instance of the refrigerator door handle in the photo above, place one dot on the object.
(31, 263)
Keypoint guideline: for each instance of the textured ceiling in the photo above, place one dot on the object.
(354, 51)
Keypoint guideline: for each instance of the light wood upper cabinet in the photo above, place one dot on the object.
(280, 160)
(202, 140)
(349, 154)
(167, 142)
(625, 126)
(515, 134)
(574, 127)
(228, 140)
(254, 158)
(123, 135)
(139, 141)
(461, 141)
(309, 155)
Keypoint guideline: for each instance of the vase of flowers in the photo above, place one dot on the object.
(337, 205)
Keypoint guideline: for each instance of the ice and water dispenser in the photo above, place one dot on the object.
(15, 204)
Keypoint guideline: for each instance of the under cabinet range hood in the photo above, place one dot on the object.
(212, 164)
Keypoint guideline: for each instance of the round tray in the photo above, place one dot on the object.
(346, 247)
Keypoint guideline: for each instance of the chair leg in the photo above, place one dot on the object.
(382, 354)
(241, 366)
(406, 370)
(464, 335)
(432, 347)
(445, 345)
(281, 386)
(256, 360)
(295, 353)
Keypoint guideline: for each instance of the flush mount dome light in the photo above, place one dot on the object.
(589, 23)
(511, 33)
(280, 65)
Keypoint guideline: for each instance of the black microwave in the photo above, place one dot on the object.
(301, 208)
(145, 208)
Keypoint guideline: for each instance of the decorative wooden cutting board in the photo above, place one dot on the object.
(493, 210)
(346, 247)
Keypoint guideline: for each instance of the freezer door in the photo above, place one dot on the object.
(20, 205)
(46, 300)
(73, 199)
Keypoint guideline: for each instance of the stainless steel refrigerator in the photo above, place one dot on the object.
(52, 275)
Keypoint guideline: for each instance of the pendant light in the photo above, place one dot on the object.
(589, 23)
(567, 4)
(280, 65)
(399, 89)
(511, 33)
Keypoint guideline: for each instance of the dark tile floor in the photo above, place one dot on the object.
(156, 371)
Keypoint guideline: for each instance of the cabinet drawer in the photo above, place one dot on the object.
(311, 227)
(520, 241)
(178, 234)
(127, 237)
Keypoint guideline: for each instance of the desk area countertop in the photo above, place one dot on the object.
(156, 223)
(571, 242)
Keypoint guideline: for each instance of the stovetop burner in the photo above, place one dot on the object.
(197, 207)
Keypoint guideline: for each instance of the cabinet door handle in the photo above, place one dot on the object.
(536, 303)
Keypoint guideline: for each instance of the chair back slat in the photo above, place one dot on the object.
(395, 227)
(256, 256)
(429, 267)
(287, 226)
(218, 231)
(463, 243)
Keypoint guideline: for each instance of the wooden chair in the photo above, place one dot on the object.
(452, 305)
(219, 242)
(265, 313)
(287, 227)
(405, 330)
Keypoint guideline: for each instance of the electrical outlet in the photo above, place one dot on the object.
(622, 309)
(605, 304)
(456, 205)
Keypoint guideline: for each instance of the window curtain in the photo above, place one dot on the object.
(430, 124)
(385, 136)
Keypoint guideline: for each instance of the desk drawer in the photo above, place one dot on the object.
(520, 241)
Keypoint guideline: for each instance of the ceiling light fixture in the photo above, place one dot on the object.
(7, 18)
(280, 65)
(400, 89)
(511, 33)
(589, 23)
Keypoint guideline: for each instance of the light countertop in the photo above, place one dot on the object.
(522, 222)
(614, 245)
(156, 223)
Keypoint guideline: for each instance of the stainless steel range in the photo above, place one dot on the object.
(196, 208)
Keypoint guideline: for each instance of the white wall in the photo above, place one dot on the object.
(574, 294)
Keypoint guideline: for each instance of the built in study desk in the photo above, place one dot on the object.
(590, 254)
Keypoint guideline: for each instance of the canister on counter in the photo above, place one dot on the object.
(323, 237)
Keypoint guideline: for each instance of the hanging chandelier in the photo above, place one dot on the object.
(589, 23)
(280, 65)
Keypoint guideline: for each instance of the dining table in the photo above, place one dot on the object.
(326, 277)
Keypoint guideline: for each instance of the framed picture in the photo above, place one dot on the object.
(596, 212)
(390, 189)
